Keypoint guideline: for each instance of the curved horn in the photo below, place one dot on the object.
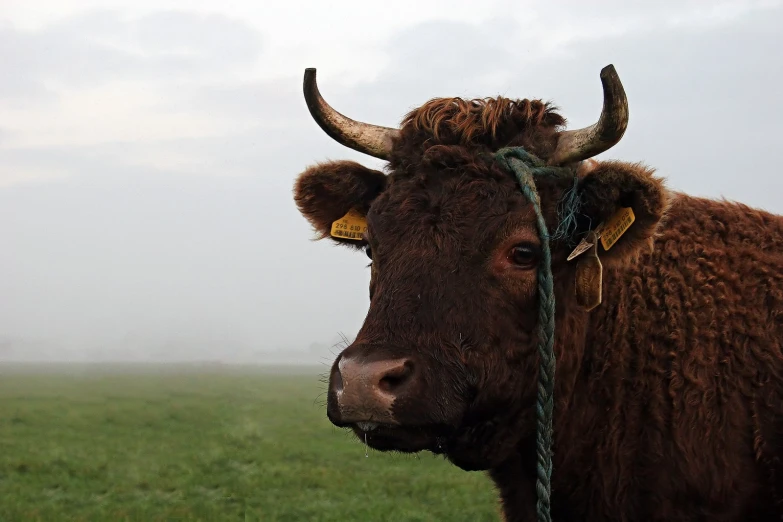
(580, 144)
(364, 137)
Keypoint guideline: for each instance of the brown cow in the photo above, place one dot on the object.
(668, 395)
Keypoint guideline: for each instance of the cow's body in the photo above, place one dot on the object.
(670, 398)
(668, 395)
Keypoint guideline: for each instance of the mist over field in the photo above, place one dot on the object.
(160, 350)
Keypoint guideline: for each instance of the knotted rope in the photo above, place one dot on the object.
(526, 168)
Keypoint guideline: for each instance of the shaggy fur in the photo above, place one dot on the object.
(669, 395)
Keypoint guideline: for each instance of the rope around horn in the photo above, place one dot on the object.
(526, 168)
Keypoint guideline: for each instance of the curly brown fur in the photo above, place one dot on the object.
(480, 124)
(677, 408)
(481, 119)
(668, 395)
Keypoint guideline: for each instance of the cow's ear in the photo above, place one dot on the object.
(326, 192)
(607, 190)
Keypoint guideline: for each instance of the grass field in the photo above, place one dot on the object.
(173, 444)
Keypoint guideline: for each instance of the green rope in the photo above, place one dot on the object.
(526, 167)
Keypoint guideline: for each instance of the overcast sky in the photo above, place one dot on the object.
(148, 149)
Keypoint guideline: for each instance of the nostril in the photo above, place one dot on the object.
(390, 382)
(337, 382)
(395, 378)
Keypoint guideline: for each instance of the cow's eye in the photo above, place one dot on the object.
(524, 255)
(368, 251)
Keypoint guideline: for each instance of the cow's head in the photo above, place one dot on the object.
(446, 358)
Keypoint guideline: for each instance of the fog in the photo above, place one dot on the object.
(148, 150)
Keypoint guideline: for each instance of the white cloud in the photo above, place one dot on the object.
(137, 73)
(115, 111)
(24, 174)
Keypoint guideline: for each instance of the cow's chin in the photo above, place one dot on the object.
(404, 439)
(475, 448)
(470, 451)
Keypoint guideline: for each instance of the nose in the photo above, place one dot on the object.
(364, 391)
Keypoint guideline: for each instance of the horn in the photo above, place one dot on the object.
(580, 144)
(363, 137)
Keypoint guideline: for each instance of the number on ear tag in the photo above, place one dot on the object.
(351, 226)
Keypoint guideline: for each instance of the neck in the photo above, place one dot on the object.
(573, 325)
(515, 478)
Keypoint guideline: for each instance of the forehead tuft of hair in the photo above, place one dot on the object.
(481, 119)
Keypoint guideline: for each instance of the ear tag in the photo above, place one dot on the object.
(351, 226)
(617, 225)
(580, 249)
(588, 277)
(608, 232)
(587, 242)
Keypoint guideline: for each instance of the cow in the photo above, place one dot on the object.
(668, 396)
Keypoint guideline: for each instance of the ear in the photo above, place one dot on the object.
(327, 191)
(610, 186)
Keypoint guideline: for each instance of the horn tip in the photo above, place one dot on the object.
(608, 71)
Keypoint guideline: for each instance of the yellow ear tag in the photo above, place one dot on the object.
(617, 225)
(608, 232)
(351, 226)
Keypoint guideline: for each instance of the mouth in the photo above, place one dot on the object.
(367, 426)
(405, 439)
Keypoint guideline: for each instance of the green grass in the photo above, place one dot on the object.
(206, 445)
